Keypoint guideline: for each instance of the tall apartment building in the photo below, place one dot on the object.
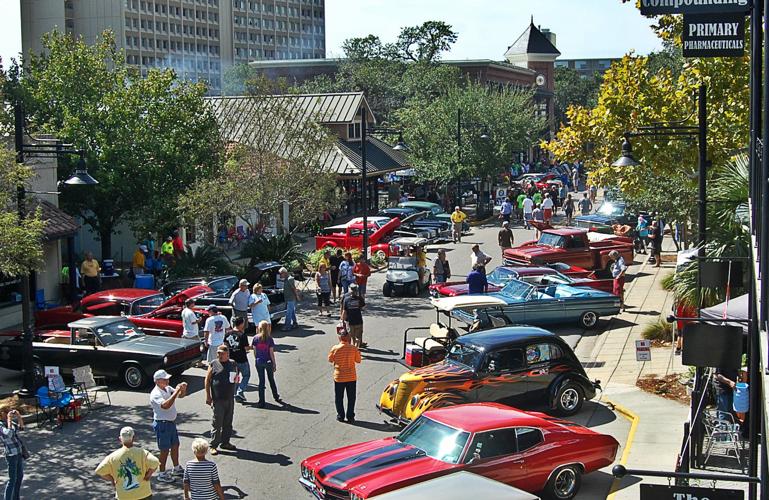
(200, 39)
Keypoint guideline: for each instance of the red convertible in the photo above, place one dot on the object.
(148, 309)
(534, 275)
(527, 450)
(576, 247)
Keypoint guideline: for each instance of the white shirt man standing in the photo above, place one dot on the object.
(528, 208)
(190, 321)
(213, 332)
(239, 301)
(163, 403)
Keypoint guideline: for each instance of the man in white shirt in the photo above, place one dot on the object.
(163, 403)
(479, 259)
(528, 208)
(190, 321)
(239, 301)
(213, 331)
(547, 208)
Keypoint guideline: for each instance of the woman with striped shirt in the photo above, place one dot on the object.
(201, 477)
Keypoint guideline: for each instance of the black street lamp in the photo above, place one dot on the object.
(484, 136)
(673, 130)
(365, 132)
(80, 177)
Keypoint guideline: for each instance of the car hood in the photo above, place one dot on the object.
(153, 344)
(181, 297)
(373, 465)
(442, 371)
(532, 252)
(596, 218)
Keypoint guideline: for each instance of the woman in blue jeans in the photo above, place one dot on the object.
(14, 453)
(264, 351)
(346, 275)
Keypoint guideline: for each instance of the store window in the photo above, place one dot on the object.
(10, 291)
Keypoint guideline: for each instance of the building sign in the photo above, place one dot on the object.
(663, 492)
(643, 350)
(714, 35)
(655, 7)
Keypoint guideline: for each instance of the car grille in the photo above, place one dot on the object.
(336, 493)
(402, 395)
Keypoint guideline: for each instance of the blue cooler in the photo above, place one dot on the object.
(146, 281)
(108, 267)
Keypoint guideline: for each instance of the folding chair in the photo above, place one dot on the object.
(50, 405)
(723, 435)
(86, 386)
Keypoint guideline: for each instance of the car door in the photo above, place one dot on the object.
(543, 306)
(541, 363)
(494, 454)
(83, 350)
(537, 460)
(502, 376)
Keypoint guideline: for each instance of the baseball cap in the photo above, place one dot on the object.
(212, 307)
(161, 374)
(243, 282)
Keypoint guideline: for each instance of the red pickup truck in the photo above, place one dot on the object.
(351, 236)
(576, 247)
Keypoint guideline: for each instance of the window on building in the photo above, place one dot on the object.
(353, 130)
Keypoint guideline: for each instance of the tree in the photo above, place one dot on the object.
(572, 89)
(280, 157)
(145, 139)
(21, 249)
(430, 128)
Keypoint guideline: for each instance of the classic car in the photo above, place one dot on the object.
(512, 364)
(577, 247)
(113, 346)
(458, 486)
(265, 273)
(608, 214)
(351, 236)
(428, 220)
(534, 275)
(527, 450)
(147, 309)
(524, 303)
(435, 209)
(219, 285)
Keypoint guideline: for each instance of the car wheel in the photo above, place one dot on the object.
(134, 377)
(381, 254)
(588, 319)
(414, 289)
(569, 399)
(387, 289)
(564, 483)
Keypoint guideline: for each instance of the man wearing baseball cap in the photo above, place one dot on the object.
(239, 301)
(163, 402)
(213, 331)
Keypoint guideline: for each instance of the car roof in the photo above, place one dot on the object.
(96, 321)
(480, 417)
(502, 336)
(417, 203)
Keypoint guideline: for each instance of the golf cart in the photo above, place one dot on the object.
(403, 274)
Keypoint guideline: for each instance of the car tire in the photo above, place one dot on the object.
(387, 289)
(414, 289)
(134, 377)
(588, 319)
(569, 399)
(381, 254)
(564, 483)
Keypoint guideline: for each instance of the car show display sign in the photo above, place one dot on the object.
(664, 492)
(713, 35)
(643, 350)
(656, 7)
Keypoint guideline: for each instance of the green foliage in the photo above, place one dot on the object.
(667, 282)
(661, 330)
(430, 129)
(206, 260)
(571, 89)
(281, 248)
(313, 258)
(145, 139)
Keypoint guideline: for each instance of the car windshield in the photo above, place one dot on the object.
(436, 210)
(436, 440)
(516, 289)
(465, 355)
(551, 240)
(119, 331)
(500, 276)
(611, 209)
(402, 263)
(146, 304)
(223, 285)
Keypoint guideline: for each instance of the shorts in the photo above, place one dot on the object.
(548, 213)
(324, 299)
(165, 432)
(356, 331)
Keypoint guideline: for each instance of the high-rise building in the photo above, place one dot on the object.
(200, 39)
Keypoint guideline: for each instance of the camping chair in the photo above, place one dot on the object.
(723, 435)
(50, 405)
(40, 303)
(86, 386)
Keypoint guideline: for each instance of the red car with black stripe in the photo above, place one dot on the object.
(527, 450)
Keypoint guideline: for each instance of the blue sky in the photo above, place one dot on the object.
(585, 28)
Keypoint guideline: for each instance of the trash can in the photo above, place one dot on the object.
(146, 281)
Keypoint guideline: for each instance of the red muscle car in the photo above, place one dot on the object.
(534, 275)
(148, 309)
(527, 450)
(351, 236)
(573, 246)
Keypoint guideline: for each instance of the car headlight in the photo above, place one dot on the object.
(165, 360)
(415, 400)
(308, 473)
(393, 389)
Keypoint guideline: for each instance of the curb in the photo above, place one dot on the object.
(634, 420)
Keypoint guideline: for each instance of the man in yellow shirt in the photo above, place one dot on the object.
(137, 263)
(129, 468)
(89, 269)
(167, 251)
(457, 219)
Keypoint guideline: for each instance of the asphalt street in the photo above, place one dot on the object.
(272, 442)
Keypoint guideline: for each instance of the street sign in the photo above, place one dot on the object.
(643, 350)
(656, 7)
(713, 35)
(664, 492)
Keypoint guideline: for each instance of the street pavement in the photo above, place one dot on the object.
(272, 442)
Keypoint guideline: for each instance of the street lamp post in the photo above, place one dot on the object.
(674, 130)
(484, 136)
(80, 177)
(364, 133)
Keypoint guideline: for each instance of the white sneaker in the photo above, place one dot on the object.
(166, 477)
(178, 471)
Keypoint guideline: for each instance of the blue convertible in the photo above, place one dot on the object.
(523, 303)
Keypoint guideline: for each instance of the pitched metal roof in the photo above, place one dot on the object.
(532, 41)
(58, 224)
(381, 158)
